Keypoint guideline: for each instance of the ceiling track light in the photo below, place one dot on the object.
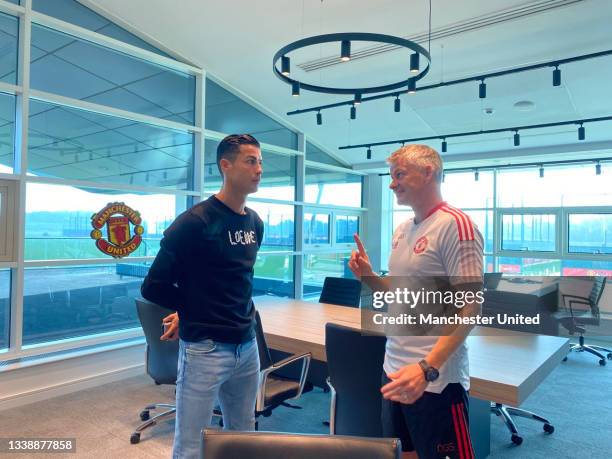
(357, 99)
(482, 89)
(443, 176)
(411, 86)
(541, 171)
(345, 50)
(517, 138)
(597, 168)
(414, 63)
(353, 112)
(369, 153)
(476, 175)
(557, 76)
(165, 175)
(319, 118)
(132, 179)
(581, 132)
(295, 89)
(397, 105)
(285, 65)
(444, 145)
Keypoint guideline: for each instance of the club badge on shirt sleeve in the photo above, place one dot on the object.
(421, 245)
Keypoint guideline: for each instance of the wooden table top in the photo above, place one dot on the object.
(505, 366)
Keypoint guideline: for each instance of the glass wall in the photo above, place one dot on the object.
(5, 307)
(558, 230)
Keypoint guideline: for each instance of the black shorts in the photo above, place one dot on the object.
(436, 425)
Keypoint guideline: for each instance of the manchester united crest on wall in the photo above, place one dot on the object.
(120, 221)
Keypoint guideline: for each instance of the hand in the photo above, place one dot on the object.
(407, 385)
(172, 323)
(359, 262)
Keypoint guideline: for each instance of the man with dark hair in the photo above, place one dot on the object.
(204, 271)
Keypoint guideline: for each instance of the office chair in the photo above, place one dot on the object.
(355, 363)
(338, 290)
(506, 412)
(272, 445)
(275, 390)
(491, 280)
(578, 317)
(161, 361)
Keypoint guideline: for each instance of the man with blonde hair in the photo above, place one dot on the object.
(426, 378)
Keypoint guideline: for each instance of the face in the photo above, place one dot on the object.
(409, 181)
(244, 173)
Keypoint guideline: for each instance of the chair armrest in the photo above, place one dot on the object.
(263, 376)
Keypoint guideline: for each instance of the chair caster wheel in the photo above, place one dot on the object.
(135, 438)
(602, 362)
(565, 359)
(609, 356)
(144, 415)
(220, 422)
(548, 428)
(517, 440)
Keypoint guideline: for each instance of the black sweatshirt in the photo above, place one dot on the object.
(204, 270)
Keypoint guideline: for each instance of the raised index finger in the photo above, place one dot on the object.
(362, 250)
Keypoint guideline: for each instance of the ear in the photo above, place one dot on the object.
(225, 164)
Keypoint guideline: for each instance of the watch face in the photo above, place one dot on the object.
(432, 374)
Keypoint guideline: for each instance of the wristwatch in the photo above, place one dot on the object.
(431, 373)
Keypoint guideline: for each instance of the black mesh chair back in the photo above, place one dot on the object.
(596, 292)
(162, 356)
(355, 364)
(265, 359)
(338, 290)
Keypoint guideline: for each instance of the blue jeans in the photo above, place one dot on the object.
(209, 370)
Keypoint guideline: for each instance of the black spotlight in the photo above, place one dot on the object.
(444, 146)
(476, 175)
(357, 99)
(443, 177)
(541, 171)
(411, 86)
(581, 132)
(285, 65)
(517, 139)
(556, 76)
(345, 50)
(353, 112)
(396, 104)
(482, 90)
(414, 63)
(369, 153)
(598, 168)
(319, 118)
(295, 89)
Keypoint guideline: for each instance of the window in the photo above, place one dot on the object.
(515, 187)
(529, 266)
(331, 187)
(277, 180)
(346, 227)
(7, 132)
(316, 228)
(318, 266)
(461, 190)
(274, 275)
(590, 233)
(8, 43)
(316, 154)
(484, 221)
(71, 67)
(71, 301)
(75, 13)
(228, 113)
(58, 220)
(77, 144)
(5, 307)
(279, 226)
(529, 232)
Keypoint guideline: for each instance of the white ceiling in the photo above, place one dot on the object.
(236, 39)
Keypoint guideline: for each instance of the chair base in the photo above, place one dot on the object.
(506, 412)
(149, 422)
(597, 351)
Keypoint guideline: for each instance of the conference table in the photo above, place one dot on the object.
(505, 366)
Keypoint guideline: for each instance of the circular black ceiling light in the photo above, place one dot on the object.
(413, 67)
